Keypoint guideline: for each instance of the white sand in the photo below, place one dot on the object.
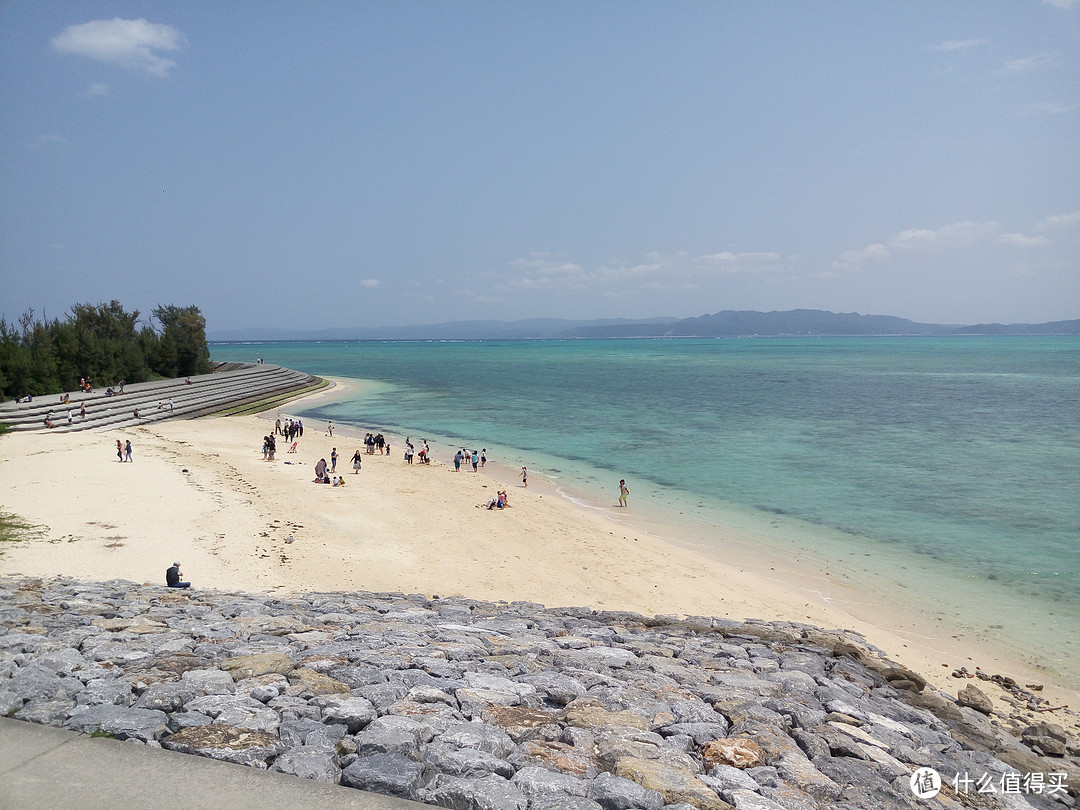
(200, 493)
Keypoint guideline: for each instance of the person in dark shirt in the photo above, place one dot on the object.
(172, 577)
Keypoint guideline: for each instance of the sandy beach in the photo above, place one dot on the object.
(199, 492)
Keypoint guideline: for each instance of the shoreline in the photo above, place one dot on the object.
(831, 593)
(410, 529)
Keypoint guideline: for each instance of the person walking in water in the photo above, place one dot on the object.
(623, 492)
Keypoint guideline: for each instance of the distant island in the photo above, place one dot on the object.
(726, 324)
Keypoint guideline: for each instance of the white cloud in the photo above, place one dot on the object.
(1058, 222)
(958, 234)
(950, 45)
(133, 44)
(1048, 108)
(370, 283)
(97, 90)
(655, 271)
(1029, 63)
(1021, 240)
(917, 240)
(1067, 5)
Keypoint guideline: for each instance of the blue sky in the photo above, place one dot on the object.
(309, 165)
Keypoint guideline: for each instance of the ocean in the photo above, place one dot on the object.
(942, 472)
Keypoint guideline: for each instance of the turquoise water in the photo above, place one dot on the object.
(949, 467)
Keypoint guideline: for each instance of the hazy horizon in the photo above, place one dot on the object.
(408, 163)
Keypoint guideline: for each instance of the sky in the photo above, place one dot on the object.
(339, 164)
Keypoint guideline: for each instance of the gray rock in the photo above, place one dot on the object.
(973, 697)
(210, 681)
(537, 782)
(389, 774)
(47, 712)
(352, 712)
(489, 793)
(726, 778)
(110, 691)
(121, 722)
(326, 736)
(747, 800)
(562, 803)
(700, 733)
(1049, 738)
(555, 687)
(166, 697)
(468, 762)
(616, 793)
(389, 734)
(9, 703)
(62, 662)
(37, 682)
(310, 762)
(480, 737)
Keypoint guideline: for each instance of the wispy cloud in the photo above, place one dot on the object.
(1027, 64)
(956, 236)
(1067, 5)
(659, 270)
(1058, 222)
(916, 240)
(132, 44)
(1048, 108)
(952, 45)
(97, 90)
(1022, 240)
(370, 283)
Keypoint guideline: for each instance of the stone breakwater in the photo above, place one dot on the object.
(468, 704)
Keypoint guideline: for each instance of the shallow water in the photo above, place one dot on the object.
(948, 468)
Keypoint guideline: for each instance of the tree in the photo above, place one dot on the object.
(101, 342)
(185, 328)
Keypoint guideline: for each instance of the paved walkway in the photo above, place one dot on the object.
(42, 768)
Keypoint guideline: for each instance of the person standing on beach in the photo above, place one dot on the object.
(483, 457)
(333, 460)
(623, 492)
(329, 428)
(127, 450)
(119, 451)
(457, 461)
(525, 478)
(475, 460)
(356, 462)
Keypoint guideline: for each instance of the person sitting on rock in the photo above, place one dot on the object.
(172, 577)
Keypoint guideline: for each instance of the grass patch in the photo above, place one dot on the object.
(14, 528)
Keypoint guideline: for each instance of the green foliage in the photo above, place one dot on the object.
(102, 342)
(13, 529)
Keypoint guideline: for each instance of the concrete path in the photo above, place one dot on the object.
(43, 768)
